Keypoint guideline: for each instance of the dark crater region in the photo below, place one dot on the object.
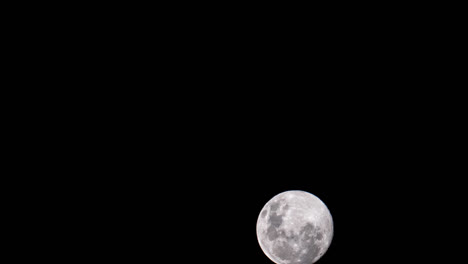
(307, 236)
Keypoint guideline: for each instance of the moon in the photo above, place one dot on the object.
(294, 227)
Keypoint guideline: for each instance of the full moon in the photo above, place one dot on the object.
(294, 227)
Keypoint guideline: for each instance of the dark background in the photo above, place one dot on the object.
(184, 175)
(173, 133)
(188, 179)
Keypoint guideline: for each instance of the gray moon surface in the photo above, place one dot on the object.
(294, 227)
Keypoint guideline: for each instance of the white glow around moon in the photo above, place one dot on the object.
(294, 227)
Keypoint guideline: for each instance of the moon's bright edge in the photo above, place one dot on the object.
(294, 227)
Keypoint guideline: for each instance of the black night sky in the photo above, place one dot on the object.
(165, 130)
(199, 175)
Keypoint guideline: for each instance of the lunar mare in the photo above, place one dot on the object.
(294, 227)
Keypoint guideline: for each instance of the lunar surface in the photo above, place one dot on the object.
(294, 227)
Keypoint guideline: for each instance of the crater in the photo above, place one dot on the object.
(293, 238)
(275, 220)
(274, 206)
(285, 251)
(282, 233)
(307, 230)
(264, 212)
(272, 233)
(319, 236)
(308, 255)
